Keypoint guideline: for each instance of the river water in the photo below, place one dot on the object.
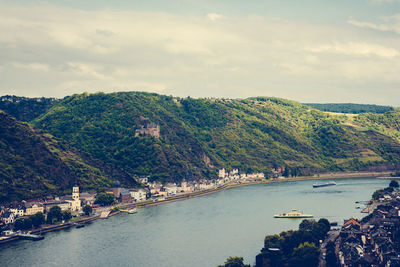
(201, 231)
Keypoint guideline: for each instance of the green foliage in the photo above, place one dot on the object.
(350, 108)
(66, 215)
(234, 262)
(294, 248)
(33, 164)
(255, 134)
(37, 219)
(23, 224)
(87, 210)
(330, 257)
(394, 183)
(305, 255)
(24, 108)
(104, 199)
(54, 215)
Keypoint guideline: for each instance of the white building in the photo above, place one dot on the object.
(33, 208)
(75, 202)
(138, 194)
(221, 173)
(17, 212)
(8, 217)
(171, 189)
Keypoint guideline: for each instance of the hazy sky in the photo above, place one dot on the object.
(308, 50)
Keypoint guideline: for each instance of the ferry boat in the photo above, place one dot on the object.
(325, 184)
(293, 214)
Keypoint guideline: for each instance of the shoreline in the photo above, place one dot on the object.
(149, 203)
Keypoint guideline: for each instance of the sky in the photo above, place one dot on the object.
(309, 51)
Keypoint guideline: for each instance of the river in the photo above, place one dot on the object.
(201, 231)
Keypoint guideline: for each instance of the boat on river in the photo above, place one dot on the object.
(131, 211)
(293, 214)
(325, 184)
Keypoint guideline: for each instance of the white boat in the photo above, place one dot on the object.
(293, 214)
(325, 184)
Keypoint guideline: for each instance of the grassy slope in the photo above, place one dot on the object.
(251, 134)
(34, 164)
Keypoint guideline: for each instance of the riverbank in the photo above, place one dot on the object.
(324, 176)
(149, 203)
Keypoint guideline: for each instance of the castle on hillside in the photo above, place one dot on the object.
(148, 129)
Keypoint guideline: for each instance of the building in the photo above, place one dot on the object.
(125, 196)
(116, 189)
(18, 212)
(76, 202)
(138, 194)
(33, 208)
(8, 217)
(171, 189)
(64, 203)
(87, 198)
(148, 129)
(221, 173)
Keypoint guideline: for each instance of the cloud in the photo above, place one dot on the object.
(56, 51)
(214, 16)
(357, 49)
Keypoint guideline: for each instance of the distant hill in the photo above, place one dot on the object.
(35, 164)
(197, 136)
(350, 108)
(24, 108)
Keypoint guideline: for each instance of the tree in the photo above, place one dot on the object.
(305, 255)
(394, 183)
(66, 215)
(37, 219)
(23, 224)
(87, 210)
(54, 215)
(331, 260)
(234, 262)
(105, 199)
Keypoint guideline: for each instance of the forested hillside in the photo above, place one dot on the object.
(197, 136)
(350, 108)
(25, 108)
(33, 164)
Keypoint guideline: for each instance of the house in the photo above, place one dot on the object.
(33, 208)
(8, 217)
(64, 204)
(87, 198)
(18, 212)
(138, 194)
(125, 196)
(143, 180)
(155, 190)
(171, 189)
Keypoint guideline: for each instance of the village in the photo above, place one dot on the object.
(372, 241)
(81, 205)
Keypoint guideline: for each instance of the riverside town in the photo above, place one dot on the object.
(57, 212)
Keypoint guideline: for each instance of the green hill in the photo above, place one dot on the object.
(25, 108)
(199, 135)
(350, 108)
(35, 164)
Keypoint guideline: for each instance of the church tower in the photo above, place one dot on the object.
(75, 193)
(76, 202)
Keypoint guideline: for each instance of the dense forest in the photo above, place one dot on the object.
(35, 164)
(350, 108)
(24, 108)
(171, 138)
(200, 135)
